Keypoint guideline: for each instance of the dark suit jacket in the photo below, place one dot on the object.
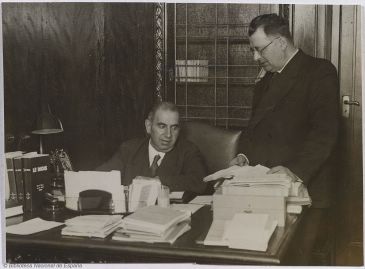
(295, 122)
(182, 169)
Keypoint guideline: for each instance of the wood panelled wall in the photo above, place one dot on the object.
(93, 63)
(311, 29)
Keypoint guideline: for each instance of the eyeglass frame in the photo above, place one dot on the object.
(253, 50)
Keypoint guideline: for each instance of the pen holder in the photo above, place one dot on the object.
(163, 199)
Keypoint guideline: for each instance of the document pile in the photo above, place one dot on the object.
(92, 225)
(254, 181)
(153, 224)
(244, 231)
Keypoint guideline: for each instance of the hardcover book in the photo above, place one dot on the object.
(36, 178)
(10, 173)
(18, 170)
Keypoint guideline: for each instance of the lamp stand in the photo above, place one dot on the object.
(41, 148)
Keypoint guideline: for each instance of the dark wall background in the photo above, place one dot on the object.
(93, 63)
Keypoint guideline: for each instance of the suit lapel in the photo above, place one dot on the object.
(141, 159)
(279, 86)
(168, 162)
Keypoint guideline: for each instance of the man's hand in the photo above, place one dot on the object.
(283, 170)
(240, 160)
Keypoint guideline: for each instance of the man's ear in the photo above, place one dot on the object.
(283, 43)
(148, 125)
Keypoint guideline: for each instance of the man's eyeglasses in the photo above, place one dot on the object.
(260, 51)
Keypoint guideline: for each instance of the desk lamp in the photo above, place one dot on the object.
(47, 123)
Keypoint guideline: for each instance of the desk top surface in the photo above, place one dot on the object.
(185, 249)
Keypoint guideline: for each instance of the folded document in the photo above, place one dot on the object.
(244, 231)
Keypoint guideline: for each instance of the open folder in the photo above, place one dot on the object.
(244, 231)
(77, 182)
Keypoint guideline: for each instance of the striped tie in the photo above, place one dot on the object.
(154, 165)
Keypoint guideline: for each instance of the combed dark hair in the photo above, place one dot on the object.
(164, 106)
(272, 24)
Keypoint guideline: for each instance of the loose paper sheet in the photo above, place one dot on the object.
(189, 208)
(32, 226)
(176, 194)
(202, 200)
(216, 233)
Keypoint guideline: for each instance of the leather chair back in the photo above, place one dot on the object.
(217, 145)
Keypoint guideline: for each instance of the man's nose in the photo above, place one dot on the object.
(256, 55)
(168, 132)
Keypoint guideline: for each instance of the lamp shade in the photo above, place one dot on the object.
(47, 123)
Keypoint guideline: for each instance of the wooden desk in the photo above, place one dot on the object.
(51, 246)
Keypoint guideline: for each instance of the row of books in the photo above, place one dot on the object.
(192, 70)
(26, 177)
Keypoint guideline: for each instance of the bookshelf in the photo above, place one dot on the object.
(208, 54)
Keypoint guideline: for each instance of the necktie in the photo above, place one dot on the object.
(154, 165)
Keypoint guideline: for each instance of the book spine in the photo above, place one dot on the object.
(18, 168)
(27, 181)
(11, 176)
(36, 178)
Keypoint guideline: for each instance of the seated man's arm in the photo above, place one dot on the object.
(116, 162)
(191, 175)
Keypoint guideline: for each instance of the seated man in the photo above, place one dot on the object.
(163, 154)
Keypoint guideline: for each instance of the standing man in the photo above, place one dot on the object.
(177, 162)
(294, 124)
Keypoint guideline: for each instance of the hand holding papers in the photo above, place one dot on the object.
(254, 180)
(248, 175)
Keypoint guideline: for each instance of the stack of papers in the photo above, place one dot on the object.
(92, 225)
(244, 231)
(254, 180)
(248, 180)
(153, 224)
(294, 203)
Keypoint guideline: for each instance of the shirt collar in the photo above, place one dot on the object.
(291, 57)
(152, 152)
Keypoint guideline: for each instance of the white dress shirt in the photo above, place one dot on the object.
(152, 152)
